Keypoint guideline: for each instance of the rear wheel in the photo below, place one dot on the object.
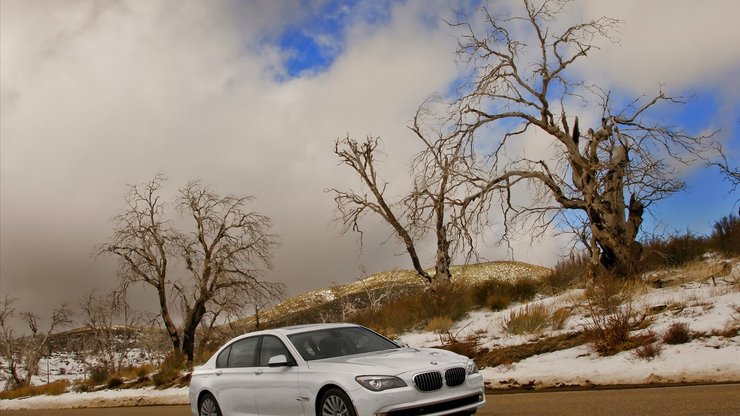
(208, 406)
(335, 402)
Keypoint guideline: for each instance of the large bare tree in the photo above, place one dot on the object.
(442, 201)
(226, 251)
(600, 178)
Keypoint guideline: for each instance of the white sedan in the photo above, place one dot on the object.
(332, 370)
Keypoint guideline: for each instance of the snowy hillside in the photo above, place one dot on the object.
(711, 310)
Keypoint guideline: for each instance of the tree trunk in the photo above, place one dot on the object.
(167, 319)
(188, 332)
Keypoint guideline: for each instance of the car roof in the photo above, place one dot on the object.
(288, 330)
(295, 329)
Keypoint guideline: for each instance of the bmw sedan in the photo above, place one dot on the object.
(332, 370)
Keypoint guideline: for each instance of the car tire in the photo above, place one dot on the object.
(335, 402)
(208, 406)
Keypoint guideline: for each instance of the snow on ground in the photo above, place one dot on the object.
(104, 398)
(706, 308)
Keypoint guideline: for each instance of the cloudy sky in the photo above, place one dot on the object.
(249, 96)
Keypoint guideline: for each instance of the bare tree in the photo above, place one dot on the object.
(23, 353)
(731, 174)
(9, 344)
(601, 180)
(443, 201)
(112, 325)
(227, 250)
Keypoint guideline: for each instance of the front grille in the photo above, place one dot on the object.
(448, 406)
(455, 376)
(428, 381)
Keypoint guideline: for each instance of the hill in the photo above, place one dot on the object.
(328, 303)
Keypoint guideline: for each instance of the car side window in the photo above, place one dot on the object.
(243, 352)
(223, 358)
(272, 346)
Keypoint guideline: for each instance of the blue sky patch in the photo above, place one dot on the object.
(312, 44)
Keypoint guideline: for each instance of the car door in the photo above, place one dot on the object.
(235, 379)
(277, 389)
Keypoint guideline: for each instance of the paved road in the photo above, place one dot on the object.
(719, 400)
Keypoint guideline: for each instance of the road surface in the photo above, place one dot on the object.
(714, 400)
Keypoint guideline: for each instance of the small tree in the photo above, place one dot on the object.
(226, 251)
(112, 326)
(23, 353)
(443, 201)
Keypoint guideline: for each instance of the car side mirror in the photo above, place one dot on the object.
(278, 361)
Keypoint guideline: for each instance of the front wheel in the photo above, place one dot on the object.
(208, 406)
(335, 402)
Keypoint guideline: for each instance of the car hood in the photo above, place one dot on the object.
(390, 362)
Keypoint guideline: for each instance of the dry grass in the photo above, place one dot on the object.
(388, 286)
(534, 318)
(531, 319)
(52, 389)
(512, 354)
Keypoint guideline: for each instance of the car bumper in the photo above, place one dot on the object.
(410, 402)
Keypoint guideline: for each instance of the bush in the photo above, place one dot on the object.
(497, 295)
(559, 318)
(566, 272)
(440, 325)
(497, 302)
(672, 251)
(531, 319)
(648, 351)
(114, 382)
(170, 369)
(534, 318)
(726, 235)
(612, 318)
(677, 333)
(98, 375)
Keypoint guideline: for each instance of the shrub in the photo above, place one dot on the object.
(677, 333)
(114, 382)
(612, 318)
(559, 318)
(648, 351)
(726, 235)
(98, 375)
(497, 302)
(534, 318)
(170, 369)
(566, 272)
(498, 295)
(440, 325)
(675, 250)
(531, 319)
(468, 348)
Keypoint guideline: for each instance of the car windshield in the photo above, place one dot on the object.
(336, 342)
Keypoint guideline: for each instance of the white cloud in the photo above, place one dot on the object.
(97, 95)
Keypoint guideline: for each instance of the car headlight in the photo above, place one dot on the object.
(380, 383)
(471, 367)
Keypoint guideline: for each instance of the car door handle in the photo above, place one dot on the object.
(219, 372)
(258, 372)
